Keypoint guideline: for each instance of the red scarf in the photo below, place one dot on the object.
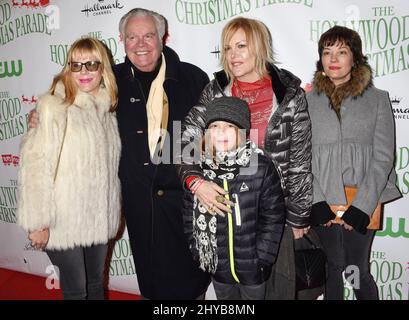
(259, 96)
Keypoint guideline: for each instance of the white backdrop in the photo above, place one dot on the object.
(35, 36)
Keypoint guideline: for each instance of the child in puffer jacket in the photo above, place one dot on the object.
(239, 248)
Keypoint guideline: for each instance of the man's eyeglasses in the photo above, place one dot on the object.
(89, 65)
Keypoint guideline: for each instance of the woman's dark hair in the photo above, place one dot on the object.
(343, 35)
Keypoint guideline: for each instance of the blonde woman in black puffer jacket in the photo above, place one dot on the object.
(280, 121)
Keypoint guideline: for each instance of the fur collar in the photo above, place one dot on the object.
(85, 100)
(361, 79)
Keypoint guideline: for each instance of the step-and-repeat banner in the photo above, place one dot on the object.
(36, 34)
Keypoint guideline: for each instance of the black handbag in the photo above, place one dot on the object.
(310, 264)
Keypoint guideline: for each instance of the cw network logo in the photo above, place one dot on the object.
(8, 69)
(390, 231)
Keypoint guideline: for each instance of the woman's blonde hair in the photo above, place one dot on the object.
(101, 52)
(258, 39)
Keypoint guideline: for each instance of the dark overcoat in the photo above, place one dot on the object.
(151, 191)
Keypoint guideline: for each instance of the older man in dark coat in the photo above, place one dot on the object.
(156, 90)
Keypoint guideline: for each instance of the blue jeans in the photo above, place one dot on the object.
(81, 271)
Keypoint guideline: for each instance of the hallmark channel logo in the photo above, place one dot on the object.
(32, 4)
(101, 7)
(9, 69)
(400, 112)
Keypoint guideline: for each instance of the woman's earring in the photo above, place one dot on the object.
(323, 74)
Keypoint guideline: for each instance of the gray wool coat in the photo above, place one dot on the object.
(357, 150)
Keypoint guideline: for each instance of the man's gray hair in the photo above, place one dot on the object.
(160, 20)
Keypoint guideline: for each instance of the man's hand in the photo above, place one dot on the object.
(39, 238)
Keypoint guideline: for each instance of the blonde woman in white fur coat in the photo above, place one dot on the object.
(69, 200)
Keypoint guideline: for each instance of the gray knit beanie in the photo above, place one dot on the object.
(229, 109)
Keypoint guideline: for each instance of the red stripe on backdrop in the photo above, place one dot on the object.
(22, 286)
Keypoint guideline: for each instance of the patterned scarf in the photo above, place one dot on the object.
(225, 165)
(262, 103)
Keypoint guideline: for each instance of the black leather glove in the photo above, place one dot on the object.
(321, 213)
(356, 218)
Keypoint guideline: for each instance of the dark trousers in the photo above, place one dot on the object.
(349, 251)
(238, 291)
(281, 284)
(81, 271)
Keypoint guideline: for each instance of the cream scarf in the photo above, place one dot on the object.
(157, 110)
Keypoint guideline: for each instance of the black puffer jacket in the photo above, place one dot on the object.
(256, 239)
(287, 140)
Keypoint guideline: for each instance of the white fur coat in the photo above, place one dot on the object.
(82, 206)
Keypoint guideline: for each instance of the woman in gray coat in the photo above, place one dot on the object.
(352, 149)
